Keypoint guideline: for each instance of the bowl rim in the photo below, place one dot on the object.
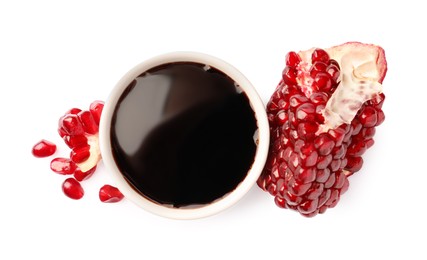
(229, 199)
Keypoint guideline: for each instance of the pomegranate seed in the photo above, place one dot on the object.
(334, 72)
(75, 140)
(369, 143)
(280, 202)
(81, 176)
(357, 149)
(281, 118)
(319, 98)
(80, 154)
(292, 199)
(305, 112)
(297, 100)
(319, 55)
(324, 197)
(290, 76)
(354, 164)
(324, 161)
(324, 144)
(315, 191)
(308, 206)
(71, 124)
(368, 132)
(305, 175)
(317, 67)
(323, 175)
(63, 166)
(368, 117)
(72, 189)
(43, 148)
(88, 122)
(110, 194)
(322, 81)
(96, 109)
(292, 59)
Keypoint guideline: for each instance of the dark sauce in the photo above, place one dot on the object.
(183, 135)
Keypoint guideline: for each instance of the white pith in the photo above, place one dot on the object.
(359, 81)
(95, 154)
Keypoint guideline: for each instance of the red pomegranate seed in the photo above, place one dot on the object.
(319, 55)
(88, 122)
(290, 76)
(43, 148)
(81, 176)
(80, 154)
(368, 117)
(354, 164)
(75, 140)
(110, 194)
(322, 81)
(96, 110)
(292, 59)
(72, 189)
(71, 124)
(63, 166)
(317, 67)
(325, 144)
(334, 71)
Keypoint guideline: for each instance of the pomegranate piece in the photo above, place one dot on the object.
(43, 148)
(322, 119)
(72, 189)
(110, 194)
(79, 129)
(63, 166)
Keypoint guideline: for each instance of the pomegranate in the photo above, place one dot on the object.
(79, 129)
(43, 148)
(322, 119)
(63, 166)
(110, 194)
(72, 189)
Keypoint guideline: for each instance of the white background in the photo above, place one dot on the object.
(56, 55)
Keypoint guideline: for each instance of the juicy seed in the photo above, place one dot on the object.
(319, 55)
(292, 59)
(289, 76)
(110, 194)
(88, 122)
(80, 154)
(63, 166)
(96, 110)
(71, 125)
(43, 148)
(81, 176)
(72, 189)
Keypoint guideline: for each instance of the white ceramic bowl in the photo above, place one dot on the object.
(219, 204)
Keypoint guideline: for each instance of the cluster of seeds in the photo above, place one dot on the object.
(79, 130)
(307, 169)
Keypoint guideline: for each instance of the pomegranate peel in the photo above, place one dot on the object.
(322, 119)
